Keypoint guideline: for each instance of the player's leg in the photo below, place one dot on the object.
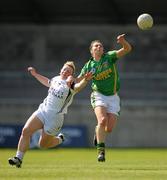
(97, 102)
(111, 122)
(49, 137)
(102, 118)
(48, 141)
(95, 138)
(113, 111)
(32, 125)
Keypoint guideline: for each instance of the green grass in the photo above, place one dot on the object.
(81, 164)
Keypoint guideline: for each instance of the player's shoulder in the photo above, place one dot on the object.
(110, 53)
(56, 78)
(87, 64)
(89, 61)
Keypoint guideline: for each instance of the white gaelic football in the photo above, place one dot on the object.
(145, 21)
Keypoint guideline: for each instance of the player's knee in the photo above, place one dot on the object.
(103, 121)
(26, 132)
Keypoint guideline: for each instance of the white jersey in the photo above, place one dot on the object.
(59, 97)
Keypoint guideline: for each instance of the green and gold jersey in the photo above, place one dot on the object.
(105, 75)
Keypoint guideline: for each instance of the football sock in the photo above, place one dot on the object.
(60, 140)
(100, 146)
(20, 155)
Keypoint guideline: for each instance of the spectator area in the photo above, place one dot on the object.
(142, 72)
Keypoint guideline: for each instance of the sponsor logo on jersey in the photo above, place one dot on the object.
(57, 93)
(103, 75)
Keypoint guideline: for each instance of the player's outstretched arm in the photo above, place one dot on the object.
(80, 85)
(42, 79)
(126, 46)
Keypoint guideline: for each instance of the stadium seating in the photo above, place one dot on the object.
(47, 49)
(142, 73)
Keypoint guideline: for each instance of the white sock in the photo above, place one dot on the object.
(60, 140)
(20, 154)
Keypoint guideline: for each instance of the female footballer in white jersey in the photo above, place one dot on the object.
(50, 115)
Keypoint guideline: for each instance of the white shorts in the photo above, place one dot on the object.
(52, 122)
(112, 103)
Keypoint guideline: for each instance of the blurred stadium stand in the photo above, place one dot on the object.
(45, 34)
(45, 49)
(80, 11)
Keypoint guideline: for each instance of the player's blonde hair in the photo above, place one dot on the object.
(71, 64)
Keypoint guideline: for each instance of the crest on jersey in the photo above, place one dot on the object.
(93, 70)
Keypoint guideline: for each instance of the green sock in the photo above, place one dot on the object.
(100, 146)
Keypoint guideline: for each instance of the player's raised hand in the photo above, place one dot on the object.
(121, 38)
(32, 70)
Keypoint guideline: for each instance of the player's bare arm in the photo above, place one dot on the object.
(83, 82)
(70, 80)
(42, 79)
(126, 47)
(78, 79)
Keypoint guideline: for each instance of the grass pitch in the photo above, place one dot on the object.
(81, 164)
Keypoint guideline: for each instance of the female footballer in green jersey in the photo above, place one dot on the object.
(105, 85)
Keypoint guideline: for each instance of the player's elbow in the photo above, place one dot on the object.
(129, 49)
